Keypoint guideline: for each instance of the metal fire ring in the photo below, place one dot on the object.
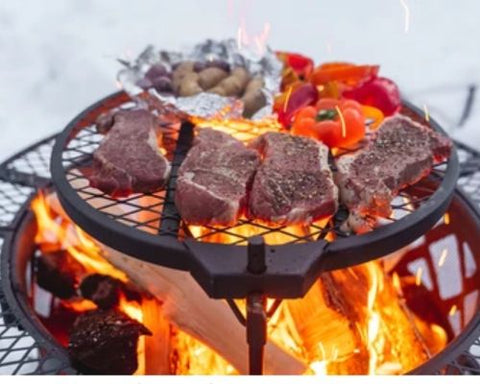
(221, 269)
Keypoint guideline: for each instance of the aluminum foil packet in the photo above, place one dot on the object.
(206, 104)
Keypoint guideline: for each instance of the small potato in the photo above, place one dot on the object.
(189, 85)
(181, 70)
(210, 77)
(253, 101)
(233, 85)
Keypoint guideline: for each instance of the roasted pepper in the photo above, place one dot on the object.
(337, 123)
(296, 97)
(349, 74)
(380, 92)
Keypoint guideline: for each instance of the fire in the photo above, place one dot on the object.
(379, 311)
(242, 129)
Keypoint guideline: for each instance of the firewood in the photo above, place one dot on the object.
(189, 308)
(211, 321)
(157, 347)
(322, 323)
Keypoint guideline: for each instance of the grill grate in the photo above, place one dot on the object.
(22, 353)
(147, 212)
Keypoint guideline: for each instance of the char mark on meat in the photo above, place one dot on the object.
(401, 153)
(128, 160)
(214, 178)
(294, 184)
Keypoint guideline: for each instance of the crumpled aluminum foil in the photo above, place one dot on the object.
(207, 104)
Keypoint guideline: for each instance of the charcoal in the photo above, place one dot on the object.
(58, 273)
(105, 342)
(103, 290)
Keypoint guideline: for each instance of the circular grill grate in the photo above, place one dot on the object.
(22, 353)
(148, 226)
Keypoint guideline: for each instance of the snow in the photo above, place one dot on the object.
(57, 57)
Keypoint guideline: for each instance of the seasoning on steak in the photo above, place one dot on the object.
(214, 178)
(105, 342)
(401, 153)
(128, 160)
(294, 184)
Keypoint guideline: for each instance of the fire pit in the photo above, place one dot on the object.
(423, 262)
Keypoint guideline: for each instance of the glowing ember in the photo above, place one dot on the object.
(446, 218)
(418, 276)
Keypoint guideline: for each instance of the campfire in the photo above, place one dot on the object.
(352, 321)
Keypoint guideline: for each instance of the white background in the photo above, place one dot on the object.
(58, 56)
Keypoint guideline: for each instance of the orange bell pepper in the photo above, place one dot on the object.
(347, 73)
(337, 123)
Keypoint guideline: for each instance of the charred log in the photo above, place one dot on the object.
(59, 273)
(105, 342)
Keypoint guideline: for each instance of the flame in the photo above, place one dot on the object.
(374, 351)
(242, 129)
(257, 43)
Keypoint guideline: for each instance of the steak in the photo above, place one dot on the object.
(214, 178)
(294, 184)
(128, 159)
(401, 153)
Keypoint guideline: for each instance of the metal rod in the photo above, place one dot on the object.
(256, 255)
(170, 218)
(256, 332)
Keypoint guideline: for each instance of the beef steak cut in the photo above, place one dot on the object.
(294, 184)
(128, 159)
(400, 154)
(214, 178)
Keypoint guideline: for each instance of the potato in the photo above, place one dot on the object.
(180, 72)
(253, 98)
(210, 77)
(233, 85)
(189, 85)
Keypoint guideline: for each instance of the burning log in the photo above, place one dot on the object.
(157, 348)
(105, 291)
(106, 342)
(322, 324)
(58, 272)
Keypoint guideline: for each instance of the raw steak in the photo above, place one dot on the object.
(401, 153)
(214, 178)
(129, 160)
(294, 184)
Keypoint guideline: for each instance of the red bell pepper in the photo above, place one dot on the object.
(380, 92)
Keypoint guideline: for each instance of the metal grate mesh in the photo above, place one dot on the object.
(22, 354)
(156, 213)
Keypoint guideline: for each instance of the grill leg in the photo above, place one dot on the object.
(256, 332)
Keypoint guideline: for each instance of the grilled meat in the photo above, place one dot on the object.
(401, 153)
(294, 184)
(129, 160)
(214, 178)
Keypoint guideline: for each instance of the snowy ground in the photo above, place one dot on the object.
(57, 57)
